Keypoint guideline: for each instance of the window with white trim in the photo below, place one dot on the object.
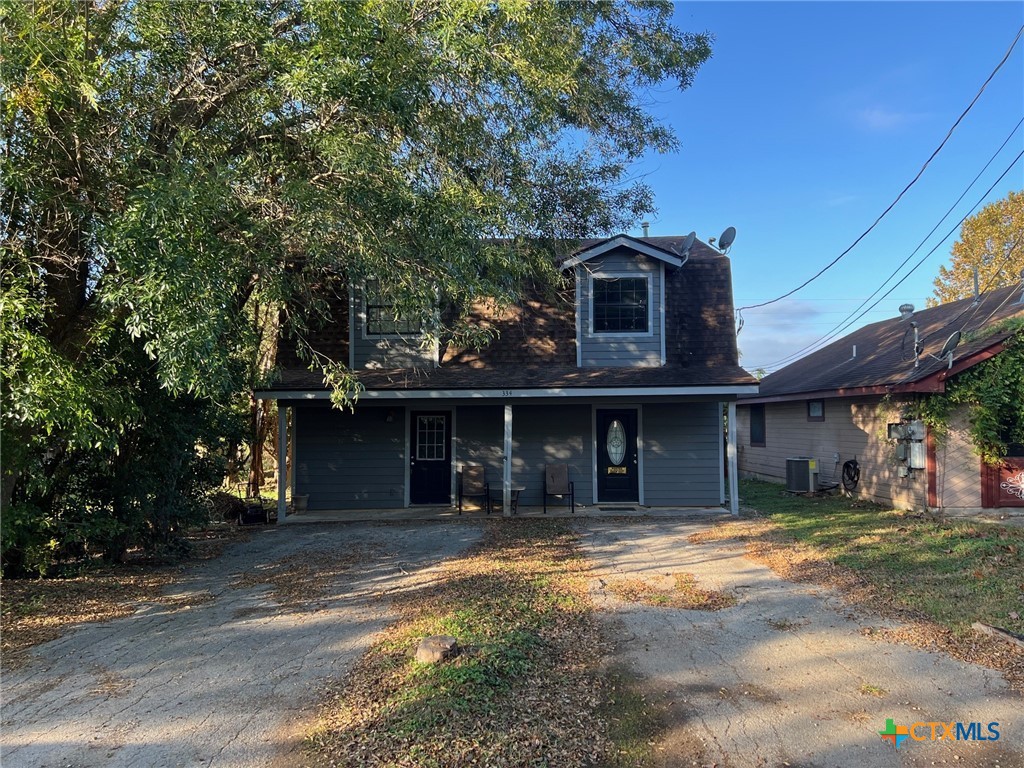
(620, 304)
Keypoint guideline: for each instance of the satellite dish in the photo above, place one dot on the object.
(950, 345)
(688, 242)
(726, 239)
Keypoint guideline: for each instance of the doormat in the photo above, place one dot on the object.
(617, 509)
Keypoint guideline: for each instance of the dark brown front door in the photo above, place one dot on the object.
(618, 469)
(430, 460)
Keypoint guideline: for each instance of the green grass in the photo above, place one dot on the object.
(953, 572)
(634, 726)
(524, 688)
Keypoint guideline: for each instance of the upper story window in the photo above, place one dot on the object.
(382, 319)
(620, 304)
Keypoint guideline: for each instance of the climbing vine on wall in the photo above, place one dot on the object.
(993, 394)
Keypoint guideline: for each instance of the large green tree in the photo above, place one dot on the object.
(169, 165)
(991, 241)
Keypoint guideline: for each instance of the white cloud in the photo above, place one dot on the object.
(885, 120)
(777, 331)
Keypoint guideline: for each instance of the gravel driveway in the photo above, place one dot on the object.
(788, 676)
(225, 669)
(222, 671)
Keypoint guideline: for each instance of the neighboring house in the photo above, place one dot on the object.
(837, 404)
(624, 381)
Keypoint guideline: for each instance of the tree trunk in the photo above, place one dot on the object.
(258, 438)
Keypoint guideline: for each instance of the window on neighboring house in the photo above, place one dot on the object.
(621, 304)
(815, 410)
(757, 431)
(381, 318)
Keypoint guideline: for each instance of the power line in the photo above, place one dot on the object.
(827, 337)
(913, 181)
(843, 324)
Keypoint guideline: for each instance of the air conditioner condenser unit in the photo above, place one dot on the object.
(801, 474)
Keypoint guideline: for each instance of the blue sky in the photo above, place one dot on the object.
(805, 125)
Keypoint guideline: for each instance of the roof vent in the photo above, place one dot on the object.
(646, 225)
(906, 311)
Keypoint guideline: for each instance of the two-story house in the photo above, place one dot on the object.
(625, 382)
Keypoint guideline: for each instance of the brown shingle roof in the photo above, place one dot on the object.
(885, 356)
(536, 347)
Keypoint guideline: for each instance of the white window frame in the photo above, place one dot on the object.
(619, 334)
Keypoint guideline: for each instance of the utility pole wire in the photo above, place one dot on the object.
(847, 321)
(913, 181)
(933, 250)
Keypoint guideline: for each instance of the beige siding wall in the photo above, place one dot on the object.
(957, 467)
(853, 428)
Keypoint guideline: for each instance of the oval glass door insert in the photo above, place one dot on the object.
(616, 442)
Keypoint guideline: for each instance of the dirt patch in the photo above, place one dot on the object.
(750, 692)
(302, 581)
(674, 590)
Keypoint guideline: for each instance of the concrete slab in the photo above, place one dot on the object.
(786, 677)
(223, 674)
(451, 514)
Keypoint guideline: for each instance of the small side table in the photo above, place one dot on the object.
(514, 497)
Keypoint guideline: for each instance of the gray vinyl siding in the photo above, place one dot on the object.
(598, 350)
(854, 428)
(480, 439)
(350, 460)
(681, 454)
(385, 352)
(551, 435)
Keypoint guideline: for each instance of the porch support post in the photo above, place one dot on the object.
(734, 480)
(506, 479)
(721, 456)
(282, 460)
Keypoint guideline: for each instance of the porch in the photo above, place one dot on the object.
(451, 514)
(407, 458)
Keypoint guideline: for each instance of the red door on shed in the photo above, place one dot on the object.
(1003, 485)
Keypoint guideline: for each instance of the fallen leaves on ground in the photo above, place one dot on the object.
(36, 611)
(676, 590)
(524, 690)
(301, 581)
(766, 543)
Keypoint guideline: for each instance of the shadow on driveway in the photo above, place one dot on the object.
(220, 676)
(789, 676)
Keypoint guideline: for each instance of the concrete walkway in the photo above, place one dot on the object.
(788, 676)
(221, 673)
(582, 512)
(226, 670)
